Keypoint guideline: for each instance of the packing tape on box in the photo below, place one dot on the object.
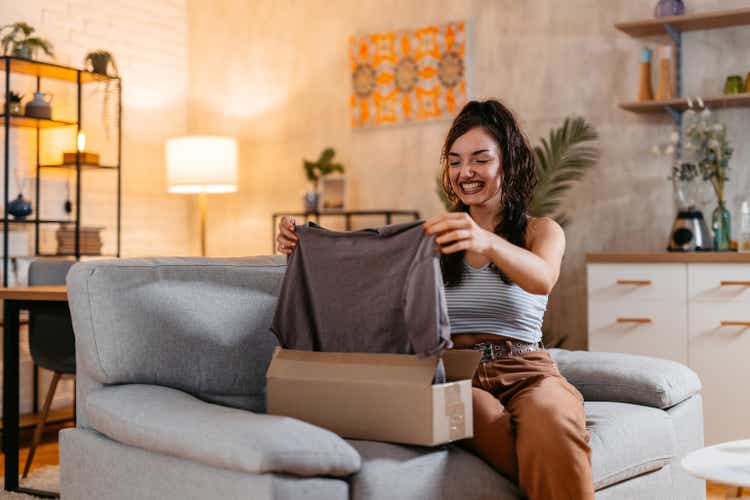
(454, 410)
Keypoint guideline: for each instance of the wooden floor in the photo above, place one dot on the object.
(47, 454)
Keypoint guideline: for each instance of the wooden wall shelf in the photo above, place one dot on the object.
(720, 102)
(49, 70)
(26, 121)
(690, 22)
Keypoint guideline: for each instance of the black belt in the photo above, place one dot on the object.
(504, 350)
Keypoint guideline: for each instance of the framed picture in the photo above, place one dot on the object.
(408, 76)
(333, 193)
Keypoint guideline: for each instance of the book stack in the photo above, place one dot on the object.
(91, 240)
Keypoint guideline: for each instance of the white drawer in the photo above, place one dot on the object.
(614, 327)
(719, 283)
(637, 282)
(720, 357)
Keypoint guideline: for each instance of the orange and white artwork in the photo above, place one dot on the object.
(408, 76)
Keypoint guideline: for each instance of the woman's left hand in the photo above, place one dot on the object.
(457, 231)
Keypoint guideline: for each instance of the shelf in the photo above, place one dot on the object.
(50, 70)
(83, 254)
(653, 257)
(66, 166)
(690, 22)
(719, 102)
(33, 221)
(26, 121)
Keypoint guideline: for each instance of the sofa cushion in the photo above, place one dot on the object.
(173, 423)
(627, 440)
(627, 378)
(443, 472)
(194, 324)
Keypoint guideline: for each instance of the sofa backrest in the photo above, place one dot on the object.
(199, 325)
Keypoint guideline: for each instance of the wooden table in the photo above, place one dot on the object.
(17, 299)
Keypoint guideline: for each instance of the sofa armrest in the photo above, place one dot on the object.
(171, 422)
(627, 378)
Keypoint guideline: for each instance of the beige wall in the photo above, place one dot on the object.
(275, 75)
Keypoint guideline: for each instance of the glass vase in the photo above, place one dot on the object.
(721, 223)
(666, 8)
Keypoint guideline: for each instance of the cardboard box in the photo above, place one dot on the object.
(380, 397)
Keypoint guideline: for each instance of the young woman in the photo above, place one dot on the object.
(499, 265)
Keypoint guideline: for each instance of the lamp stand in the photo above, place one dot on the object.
(203, 202)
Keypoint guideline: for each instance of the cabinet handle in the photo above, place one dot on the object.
(735, 283)
(634, 320)
(735, 323)
(634, 282)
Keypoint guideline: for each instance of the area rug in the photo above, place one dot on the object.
(43, 478)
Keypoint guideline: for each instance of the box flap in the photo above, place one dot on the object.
(460, 364)
(352, 366)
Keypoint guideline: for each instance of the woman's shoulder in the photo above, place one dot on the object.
(542, 228)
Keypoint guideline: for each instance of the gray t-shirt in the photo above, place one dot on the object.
(375, 290)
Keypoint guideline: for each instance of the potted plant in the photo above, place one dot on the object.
(99, 61)
(315, 171)
(18, 41)
(14, 100)
(709, 147)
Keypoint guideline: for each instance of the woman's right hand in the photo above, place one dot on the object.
(287, 240)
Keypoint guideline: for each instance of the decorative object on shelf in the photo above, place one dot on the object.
(645, 91)
(68, 204)
(689, 231)
(664, 89)
(710, 150)
(20, 208)
(667, 8)
(315, 171)
(202, 164)
(39, 107)
(14, 101)
(100, 61)
(744, 240)
(733, 85)
(90, 242)
(333, 193)
(408, 76)
(17, 42)
(87, 157)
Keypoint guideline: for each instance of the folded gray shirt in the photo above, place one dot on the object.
(375, 290)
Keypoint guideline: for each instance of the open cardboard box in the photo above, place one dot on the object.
(380, 397)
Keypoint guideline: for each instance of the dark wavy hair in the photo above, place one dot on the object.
(518, 176)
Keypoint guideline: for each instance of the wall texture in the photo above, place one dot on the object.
(275, 75)
(149, 41)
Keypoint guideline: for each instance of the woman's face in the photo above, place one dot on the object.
(474, 168)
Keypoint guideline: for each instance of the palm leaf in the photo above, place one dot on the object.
(561, 160)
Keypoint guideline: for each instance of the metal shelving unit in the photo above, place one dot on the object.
(43, 70)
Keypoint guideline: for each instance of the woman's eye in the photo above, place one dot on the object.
(454, 163)
(481, 161)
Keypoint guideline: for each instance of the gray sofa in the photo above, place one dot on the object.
(172, 355)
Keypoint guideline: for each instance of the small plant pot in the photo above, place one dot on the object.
(15, 108)
(311, 199)
(24, 52)
(99, 63)
(19, 208)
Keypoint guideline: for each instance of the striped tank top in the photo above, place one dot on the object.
(483, 303)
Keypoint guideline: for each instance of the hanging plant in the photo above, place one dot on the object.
(18, 41)
(99, 62)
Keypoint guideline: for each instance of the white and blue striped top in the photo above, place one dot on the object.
(484, 303)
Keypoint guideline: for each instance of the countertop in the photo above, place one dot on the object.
(678, 257)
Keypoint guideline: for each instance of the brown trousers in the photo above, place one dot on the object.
(529, 424)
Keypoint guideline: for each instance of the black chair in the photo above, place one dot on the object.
(51, 339)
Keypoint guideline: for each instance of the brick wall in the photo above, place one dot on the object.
(149, 42)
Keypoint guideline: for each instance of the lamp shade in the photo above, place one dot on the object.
(202, 164)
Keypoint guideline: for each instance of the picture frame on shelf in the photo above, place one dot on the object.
(333, 191)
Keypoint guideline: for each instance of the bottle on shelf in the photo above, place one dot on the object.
(744, 243)
(645, 91)
(664, 88)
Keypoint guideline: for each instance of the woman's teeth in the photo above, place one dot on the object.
(471, 187)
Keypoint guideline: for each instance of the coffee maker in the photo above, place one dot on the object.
(689, 232)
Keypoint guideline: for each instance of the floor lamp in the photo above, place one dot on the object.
(203, 165)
